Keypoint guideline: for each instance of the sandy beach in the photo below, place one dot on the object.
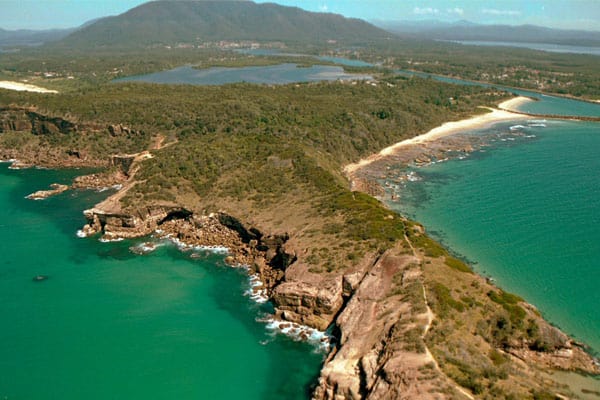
(449, 128)
(10, 85)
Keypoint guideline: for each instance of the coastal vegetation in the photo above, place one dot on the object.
(256, 145)
(271, 157)
(251, 150)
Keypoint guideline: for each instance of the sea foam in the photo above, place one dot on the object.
(301, 333)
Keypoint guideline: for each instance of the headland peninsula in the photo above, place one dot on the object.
(285, 176)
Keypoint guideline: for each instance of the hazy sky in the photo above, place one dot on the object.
(573, 14)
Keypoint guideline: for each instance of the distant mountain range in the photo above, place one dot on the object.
(171, 22)
(25, 37)
(30, 37)
(465, 30)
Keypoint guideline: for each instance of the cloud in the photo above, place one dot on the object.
(456, 10)
(425, 11)
(323, 8)
(493, 11)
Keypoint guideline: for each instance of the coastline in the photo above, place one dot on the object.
(447, 129)
(363, 177)
(24, 87)
(366, 296)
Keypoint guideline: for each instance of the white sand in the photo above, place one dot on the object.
(447, 129)
(513, 104)
(24, 87)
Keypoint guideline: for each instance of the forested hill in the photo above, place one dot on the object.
(171, 22)
(465, 30)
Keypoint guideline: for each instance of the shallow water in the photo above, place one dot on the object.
(111, 324)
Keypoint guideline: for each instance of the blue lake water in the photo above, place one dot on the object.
(274, 74)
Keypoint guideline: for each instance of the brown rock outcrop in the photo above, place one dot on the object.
(43, 194)
(20, 119)
(118, 129)
(123, 162)
(309, 304)
(14, 121)
(381, 354)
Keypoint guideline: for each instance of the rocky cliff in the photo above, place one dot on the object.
(408, 322)
(381, 354)
(22, 119)
(35, 138)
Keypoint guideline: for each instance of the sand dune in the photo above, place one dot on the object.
(24, 87)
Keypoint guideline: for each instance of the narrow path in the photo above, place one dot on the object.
(159, 143)
(430, 318)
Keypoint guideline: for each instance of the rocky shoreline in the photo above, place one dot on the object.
(369, 346)
(379, 308)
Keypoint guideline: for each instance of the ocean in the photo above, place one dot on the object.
(108, 323)
(525, 210)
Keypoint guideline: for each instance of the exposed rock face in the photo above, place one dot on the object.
(99, 181)
(118, 130)
(123, 162)
(377, 356)
(29, 121)
(265, 255)
(117, 224)
(309, 304)
(43, 194)
(18, 119)
(14, 121)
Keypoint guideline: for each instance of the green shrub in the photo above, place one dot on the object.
(457, 264)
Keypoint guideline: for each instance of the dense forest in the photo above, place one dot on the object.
(251, 143)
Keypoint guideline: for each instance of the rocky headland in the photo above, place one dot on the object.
(395, 316)
(409, 320)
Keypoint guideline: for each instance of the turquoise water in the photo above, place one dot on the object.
(109, 324)
(545, 104)
(274, 74)
(527, 212)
